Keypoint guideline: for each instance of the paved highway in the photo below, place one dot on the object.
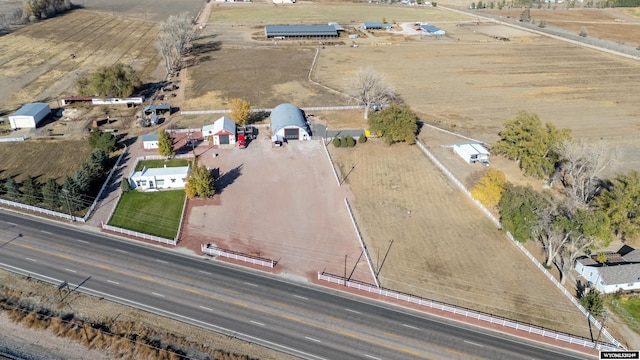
(303, 320)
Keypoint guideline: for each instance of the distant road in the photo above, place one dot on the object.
(303, 320)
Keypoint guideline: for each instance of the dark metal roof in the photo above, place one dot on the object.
(300, 30)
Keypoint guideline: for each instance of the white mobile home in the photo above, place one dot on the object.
(29, 115)
(472, 153)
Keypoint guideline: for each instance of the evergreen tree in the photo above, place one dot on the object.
(30, 191)
(11, 188)
(165, 144)
(51, 194)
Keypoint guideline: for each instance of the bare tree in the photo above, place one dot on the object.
(370, 89)
(174, 39)
(552, 236)
(582, 163)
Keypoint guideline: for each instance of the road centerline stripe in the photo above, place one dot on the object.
(122, 251)
(30, 259)
(301, 297)
(410, 326)
(257, 323)
(204, 272)
(251, 284)
(82, 241)
(472, 343)
(113, 282)
(353, 311)
(46, 232)
(371, 357)
(312, 339)
(156, 294)
(206, 308)
(70, 270)
(162, 261)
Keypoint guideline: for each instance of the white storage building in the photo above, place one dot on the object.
(472, 152)
(150, 141)
(288, 122)
(29, 115)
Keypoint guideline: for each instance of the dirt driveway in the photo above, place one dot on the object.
(279, 203)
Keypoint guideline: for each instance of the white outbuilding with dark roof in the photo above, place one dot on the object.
(288, 122)
(150, 141)
(29, 115)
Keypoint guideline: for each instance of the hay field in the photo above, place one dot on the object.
(37, 62)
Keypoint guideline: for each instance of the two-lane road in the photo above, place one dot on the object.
(303, 320)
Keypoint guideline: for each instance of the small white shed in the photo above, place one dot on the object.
(472, 152)
(150, 141)
(29, 115)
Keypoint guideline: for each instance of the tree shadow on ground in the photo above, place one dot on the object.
(257, 116)
(222, 181)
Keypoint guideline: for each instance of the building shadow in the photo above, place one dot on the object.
(223, 181)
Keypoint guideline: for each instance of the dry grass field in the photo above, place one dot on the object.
(37, 62)
(445, 248)
(44, 159)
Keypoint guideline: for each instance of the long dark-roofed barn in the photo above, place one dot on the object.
(298, 31)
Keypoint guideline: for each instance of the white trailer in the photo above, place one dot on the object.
(472, 153)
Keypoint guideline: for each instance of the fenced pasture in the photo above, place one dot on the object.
(42, 61)
(444, 248)
(43, 159)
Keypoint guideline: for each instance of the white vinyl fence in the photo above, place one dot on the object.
(313, 108)
(41, 210)
(364, 247)
(215, 251)
(531, 329)
(138, 234)
(12, 139)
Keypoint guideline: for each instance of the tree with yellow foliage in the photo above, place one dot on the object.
(489, 188)
(240, 111)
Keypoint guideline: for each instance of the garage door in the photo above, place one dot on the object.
(291, 134)
(224, 139)
(22, 122)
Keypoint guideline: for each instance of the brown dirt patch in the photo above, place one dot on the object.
(445, 249)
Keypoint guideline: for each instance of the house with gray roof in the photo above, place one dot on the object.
(620, 271)
(160, 178)
(288, 122)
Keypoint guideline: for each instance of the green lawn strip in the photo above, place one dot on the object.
(627, 307)
(156, 213)
(160, 163)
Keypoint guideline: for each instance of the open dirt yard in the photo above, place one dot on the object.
(279, 203)
(443, 247)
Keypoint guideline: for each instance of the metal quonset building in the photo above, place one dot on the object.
(288, 122)
(29, 115)
(283, 31)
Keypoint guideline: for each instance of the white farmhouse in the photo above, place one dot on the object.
(29, 115)
(472, 153)
(620, 271)
(160, 178)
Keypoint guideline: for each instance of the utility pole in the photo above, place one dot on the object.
(66, 196)
(345, 270)
(385, 258)
(604, 319)
(345, 177)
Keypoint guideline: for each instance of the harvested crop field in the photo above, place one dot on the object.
(443, 247)
(42, 61)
